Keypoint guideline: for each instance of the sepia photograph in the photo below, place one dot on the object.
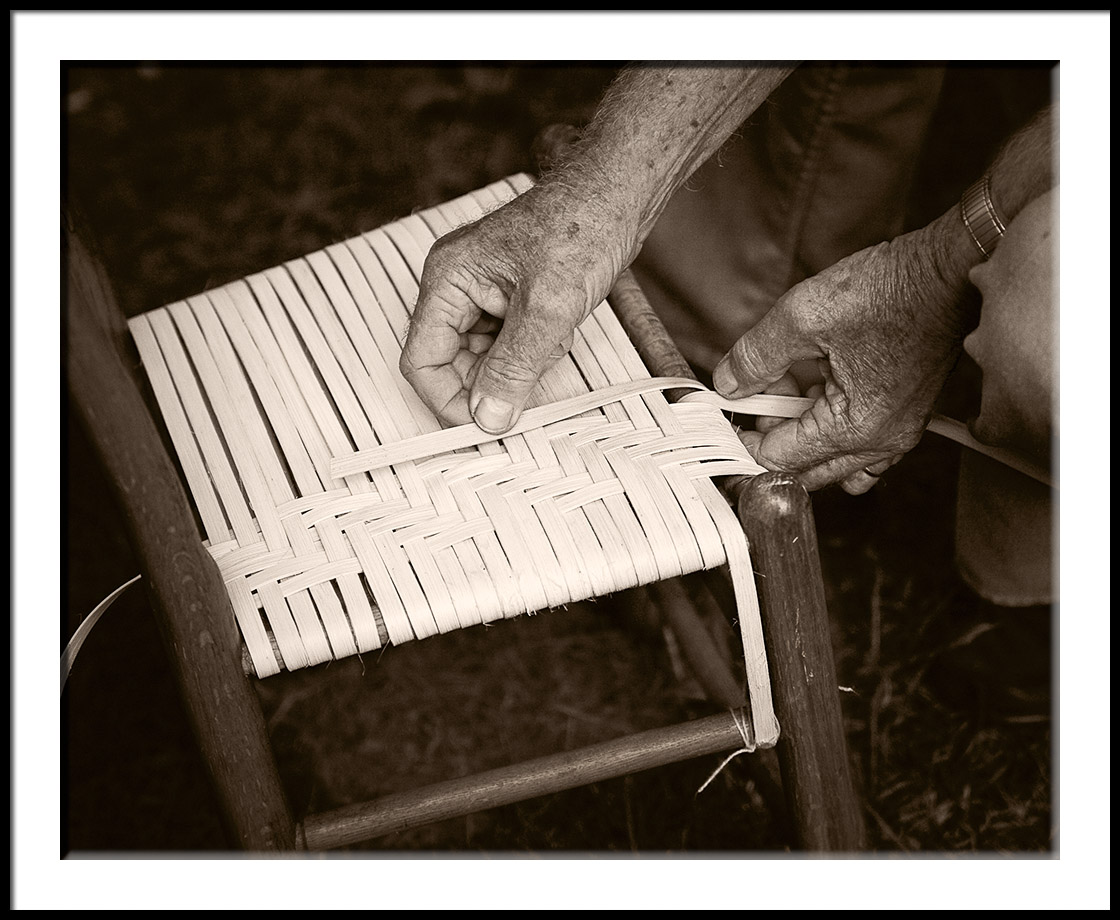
(564, 460)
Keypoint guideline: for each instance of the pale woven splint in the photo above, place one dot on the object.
(343, 517)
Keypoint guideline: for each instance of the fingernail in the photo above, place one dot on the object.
(492, 414)
(724, 380)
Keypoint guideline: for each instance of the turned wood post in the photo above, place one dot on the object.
(778, 519)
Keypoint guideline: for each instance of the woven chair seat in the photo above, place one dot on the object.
(343, 517)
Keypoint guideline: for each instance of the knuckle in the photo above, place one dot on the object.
(509, 371)
(828, 425)
(553, 303)
(811, 427)
(461, 279)
(801, 307)
(443, 258)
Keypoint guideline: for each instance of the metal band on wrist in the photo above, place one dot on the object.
(980, 217)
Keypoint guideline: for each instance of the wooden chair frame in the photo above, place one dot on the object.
(205, 651)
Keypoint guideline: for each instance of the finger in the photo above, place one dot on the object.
(455, 305)
(866, 478)
(769, 423)
(751, 440)
(854, 478)
(862, 469)
(814, 438)
(786, 386)
(429, 359)
(821, 446)
(565, 345)
(468, 382)
(529, 343)
(440, 385)
(464, 365)
(475, 343)
(486, 325)
(813, 476)
(808, 374)
(859, 483)
(762, 356)
(444, 311)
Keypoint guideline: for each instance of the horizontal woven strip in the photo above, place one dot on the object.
(343, 516)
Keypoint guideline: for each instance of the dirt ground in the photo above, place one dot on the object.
(194, 176)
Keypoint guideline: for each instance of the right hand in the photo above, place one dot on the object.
(500, 300)
(884, 326)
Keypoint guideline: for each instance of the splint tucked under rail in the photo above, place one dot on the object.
(343, 517)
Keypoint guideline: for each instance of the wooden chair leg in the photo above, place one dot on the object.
(825, 810)
(187, 593)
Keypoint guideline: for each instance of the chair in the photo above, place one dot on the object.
(208, 656)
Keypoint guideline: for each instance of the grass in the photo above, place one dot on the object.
(194, 176)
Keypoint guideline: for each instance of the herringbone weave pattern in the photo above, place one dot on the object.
(343, 517)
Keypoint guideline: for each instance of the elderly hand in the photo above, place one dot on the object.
(885, 327)
(500, 299)
(532, 270)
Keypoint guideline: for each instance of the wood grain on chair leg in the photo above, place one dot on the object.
(192, 605)
(777, 516)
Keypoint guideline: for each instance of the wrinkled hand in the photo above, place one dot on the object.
(885, 327)
(500, 299)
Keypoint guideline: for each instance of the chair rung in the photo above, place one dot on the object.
(506, 785)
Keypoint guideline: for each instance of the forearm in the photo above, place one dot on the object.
(887, 324)
(653, 128)
(1024, 168)
(1021, 171)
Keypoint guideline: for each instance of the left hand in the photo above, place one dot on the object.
(884, 326)
(500, 300)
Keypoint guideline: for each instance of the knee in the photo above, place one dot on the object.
(1015, 343)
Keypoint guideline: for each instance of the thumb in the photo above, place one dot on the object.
(524, 349)
(762, 356)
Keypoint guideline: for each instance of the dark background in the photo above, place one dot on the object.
(192, 176)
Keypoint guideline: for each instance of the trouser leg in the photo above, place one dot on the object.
(1005, 519)
(821, 170)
